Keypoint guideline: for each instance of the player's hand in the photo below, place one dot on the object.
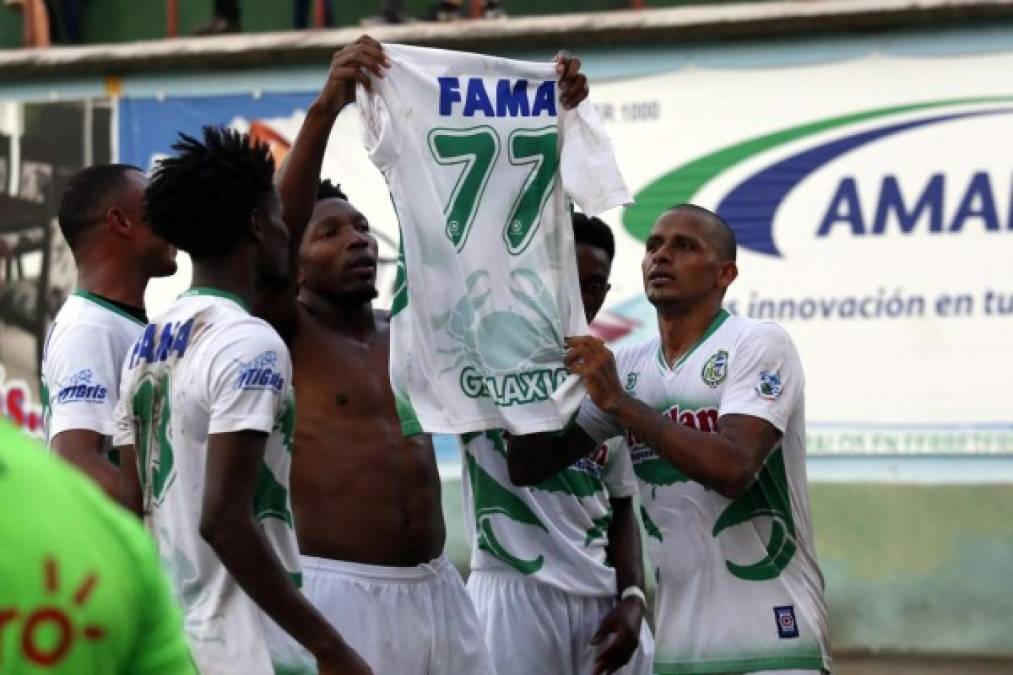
(618, 636)
(343, 662)
(589, 357)
(572, 82)
(353, 63)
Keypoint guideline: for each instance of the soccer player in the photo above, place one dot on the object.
(366, 498)
(102, 219)
(713, 411)
(207, 417)
(557, 570)
(81, 589)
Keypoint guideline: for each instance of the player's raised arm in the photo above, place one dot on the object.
(299, 175)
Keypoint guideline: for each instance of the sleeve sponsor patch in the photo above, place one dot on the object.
(261, 373)
(769, 386)
(81, 387)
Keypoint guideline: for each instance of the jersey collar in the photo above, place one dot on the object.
(216, 292)
(719, 319)
(105, 304)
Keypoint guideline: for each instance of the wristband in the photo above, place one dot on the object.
(634, 592)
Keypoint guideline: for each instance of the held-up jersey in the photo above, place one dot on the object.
(554, 533)
(81, 364)
(480, 157)
(206, 366)
(739, 588)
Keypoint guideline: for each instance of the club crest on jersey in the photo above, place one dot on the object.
(81, 387)
(261, 373)
(631, 381)
(716, 369)
(787, 627)
(510, 98)
(769, 386)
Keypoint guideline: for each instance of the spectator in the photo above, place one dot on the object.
(36, 22)
(225, 19)
(323, 15)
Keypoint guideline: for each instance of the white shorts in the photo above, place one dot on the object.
(401, 620)
(534, 629)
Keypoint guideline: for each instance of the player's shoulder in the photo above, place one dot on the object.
(754, 334)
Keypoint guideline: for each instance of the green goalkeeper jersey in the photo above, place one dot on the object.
(81, 589)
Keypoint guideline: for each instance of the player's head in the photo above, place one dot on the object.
(216, 198)
(596, 247)
(689, 258)
(102, 209)
(338, 255)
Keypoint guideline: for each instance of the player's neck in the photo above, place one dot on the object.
(112, 281)
(354, 317)
(231, 275)
(681, 331)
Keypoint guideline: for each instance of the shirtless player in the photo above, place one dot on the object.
(366, 498)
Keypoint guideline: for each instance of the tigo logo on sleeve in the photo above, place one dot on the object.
(81, 388)
(261, 373)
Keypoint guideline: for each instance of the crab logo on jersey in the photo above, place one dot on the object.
(716, 369)
(496, 350)
(261, 373)
(769, 386)
(80, 388)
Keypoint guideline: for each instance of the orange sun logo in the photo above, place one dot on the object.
(47, 632)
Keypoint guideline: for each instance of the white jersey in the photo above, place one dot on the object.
(555, 532)
(204, 367)
(81, 364)
(739, 588)
(480, 156)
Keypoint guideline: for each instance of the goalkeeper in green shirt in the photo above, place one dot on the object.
(81, 588)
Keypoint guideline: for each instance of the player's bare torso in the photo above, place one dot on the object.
(362, 492)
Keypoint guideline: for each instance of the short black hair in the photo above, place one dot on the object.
(329, 190)
(722, 236)
(85, 196)
(201, 199)
(593, 232)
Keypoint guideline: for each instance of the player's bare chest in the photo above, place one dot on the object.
(342, 375)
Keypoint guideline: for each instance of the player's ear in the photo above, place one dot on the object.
(256, 225)
(116, 220)
(728, 273)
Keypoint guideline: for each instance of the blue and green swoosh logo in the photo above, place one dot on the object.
(751, 205)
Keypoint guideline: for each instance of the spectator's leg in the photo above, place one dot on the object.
(300, 14)
(36, 24)
(228, 10)
(72, 20)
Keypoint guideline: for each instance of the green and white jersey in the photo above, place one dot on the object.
(481, 160)
(206, 366)
(81, 364)
(554, 533)
(739, 588)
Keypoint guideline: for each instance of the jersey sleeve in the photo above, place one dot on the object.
(380, 134)
(82, 375)
(249, 378)
(595, 423)
(123, 417)
(620, 479)
(765, 377)
(587, 162)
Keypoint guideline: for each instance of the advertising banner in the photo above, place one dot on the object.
(872, 203)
